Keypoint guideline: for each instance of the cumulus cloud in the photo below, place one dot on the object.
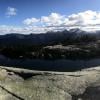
(79, 20)
(84, 18)
(30, 21)
(87, 20)
(11, 11)
(54, 19)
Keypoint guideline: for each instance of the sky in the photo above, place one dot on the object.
(37, 16)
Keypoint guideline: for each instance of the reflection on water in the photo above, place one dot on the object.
(50, 65)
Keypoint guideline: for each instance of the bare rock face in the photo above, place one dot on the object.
(22, 84)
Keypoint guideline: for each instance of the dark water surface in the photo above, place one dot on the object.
(50, 65)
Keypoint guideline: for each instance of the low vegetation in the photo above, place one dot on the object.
(65, 45)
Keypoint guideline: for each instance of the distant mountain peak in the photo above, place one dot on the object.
(76, 30)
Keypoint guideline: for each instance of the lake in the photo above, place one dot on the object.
(50, 65)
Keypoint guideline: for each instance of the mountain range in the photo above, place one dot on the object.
(48, 38)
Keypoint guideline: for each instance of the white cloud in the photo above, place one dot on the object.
(54, 19)
(87, 20)
(30, 21)
(80, 20)
(11, 11)
(4, 29)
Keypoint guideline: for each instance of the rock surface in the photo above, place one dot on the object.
(22, 84)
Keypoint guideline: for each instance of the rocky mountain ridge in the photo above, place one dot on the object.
(44, 38)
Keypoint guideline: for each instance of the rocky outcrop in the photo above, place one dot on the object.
(22, 84)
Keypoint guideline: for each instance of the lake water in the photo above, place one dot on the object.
(50, 65)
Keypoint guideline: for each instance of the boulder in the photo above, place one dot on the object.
(23, 84)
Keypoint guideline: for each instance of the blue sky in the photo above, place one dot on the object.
(13, 13)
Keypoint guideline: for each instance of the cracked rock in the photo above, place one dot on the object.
(22, 84)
